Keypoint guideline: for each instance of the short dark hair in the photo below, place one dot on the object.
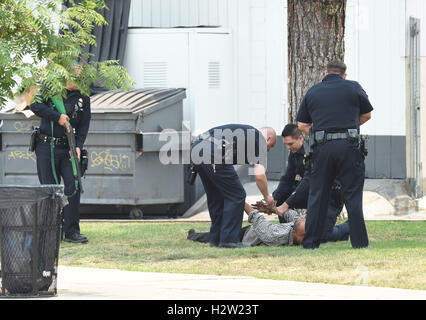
(291, 130)
(336, 66)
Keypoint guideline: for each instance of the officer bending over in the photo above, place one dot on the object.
(225, 193)
(52, 128)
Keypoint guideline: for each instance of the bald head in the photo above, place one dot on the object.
(270, 136)
(299, 230)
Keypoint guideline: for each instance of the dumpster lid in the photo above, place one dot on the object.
(131, 101)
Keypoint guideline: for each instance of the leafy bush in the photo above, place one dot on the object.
(42, 45)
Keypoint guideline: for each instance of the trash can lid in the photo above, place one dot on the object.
(15, 195)
(131, 101)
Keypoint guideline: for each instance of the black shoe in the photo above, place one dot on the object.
(191, 232)
(232, 245)
(76, 238)
(363, 247)
(309, 247)
(213, 244)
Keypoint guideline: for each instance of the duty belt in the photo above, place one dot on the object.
(323, 136)
(62, 141)
(336, 136)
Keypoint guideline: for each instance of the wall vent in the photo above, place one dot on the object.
(155, 74)
(214, 75)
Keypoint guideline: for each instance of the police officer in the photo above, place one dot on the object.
(285, 194)
(52, 127)
(335, 109)
(293, 189)
(214, 154)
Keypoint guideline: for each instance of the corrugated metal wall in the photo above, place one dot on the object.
(173, 13)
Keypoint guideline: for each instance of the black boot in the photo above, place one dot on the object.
(76, 238)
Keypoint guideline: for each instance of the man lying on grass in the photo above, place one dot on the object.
(263, 232)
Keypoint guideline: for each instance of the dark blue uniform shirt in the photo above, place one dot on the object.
(334, 104)
(288, 184)
(78, 110)
(253, 142)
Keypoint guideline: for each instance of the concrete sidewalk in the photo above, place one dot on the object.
(99, 284)
(382, 200)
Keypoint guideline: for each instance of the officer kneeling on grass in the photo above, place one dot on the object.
(213, 155)
(51, 139)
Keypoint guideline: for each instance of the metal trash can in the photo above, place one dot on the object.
(30, 221)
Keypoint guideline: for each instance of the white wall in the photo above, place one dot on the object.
(198, 59)
(376, 52)
(375, 55)
(260, 55)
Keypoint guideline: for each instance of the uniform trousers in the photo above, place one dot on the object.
(225, 200)
(63, 166)
(343, 160)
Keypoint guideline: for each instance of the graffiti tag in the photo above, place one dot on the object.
(21, 155)
(25, 126)
(109, 160)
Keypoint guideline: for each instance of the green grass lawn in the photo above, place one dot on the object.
(397, 257)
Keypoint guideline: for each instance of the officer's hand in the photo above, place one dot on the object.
(282, 209)
(63, 121)
(270, 200)
(262, 206)
(77, 149)
(78, 153)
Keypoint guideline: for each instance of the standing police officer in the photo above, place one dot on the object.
(335, 109)
(219, 149)
(52, 127)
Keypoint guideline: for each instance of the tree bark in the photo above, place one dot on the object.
(316, 30)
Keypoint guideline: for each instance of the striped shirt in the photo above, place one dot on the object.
(263, 231)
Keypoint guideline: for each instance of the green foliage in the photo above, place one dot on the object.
(33, 53)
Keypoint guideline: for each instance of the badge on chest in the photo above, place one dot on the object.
(73, 106)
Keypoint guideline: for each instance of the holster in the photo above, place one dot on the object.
(363, 144)
(309, 149)
(319, 137)
(191, 175)
(353, 135)
(33, 138)
(84, 161)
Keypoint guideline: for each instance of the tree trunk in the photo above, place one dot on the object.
(316, 30)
